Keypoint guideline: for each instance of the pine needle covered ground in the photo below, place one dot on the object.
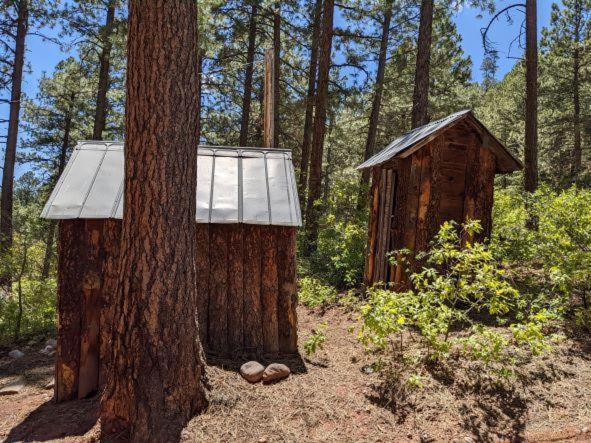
(336, 396)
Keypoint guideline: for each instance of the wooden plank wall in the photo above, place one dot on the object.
(252, 295)
(247, 295)
(450, 178)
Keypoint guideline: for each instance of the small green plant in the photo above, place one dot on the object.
(316, 340)
(313, 293)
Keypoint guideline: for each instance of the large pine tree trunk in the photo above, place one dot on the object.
(247, 94)
(531, 97)
(420, 97)
(310, 94)
(100, 113)
(577, 150)
(375, 105)
(157, 375)
(315, 181)
(6, 235)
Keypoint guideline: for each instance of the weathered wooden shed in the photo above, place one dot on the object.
(246, 221)
(438, 172)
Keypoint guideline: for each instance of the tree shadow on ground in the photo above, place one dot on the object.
(294, 362)
(57, 420)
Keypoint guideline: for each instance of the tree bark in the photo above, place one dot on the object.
(276, 71)
(6, 234)
(577, 150)
(100, 113)
(304, 162)
(247, 95)
(157, 377)
(375, 106)
(199, 90)
(531, 97)
(315, 181)
(420, 97)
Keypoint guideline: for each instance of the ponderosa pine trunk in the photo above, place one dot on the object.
(577, 150)
(6, 234)
(375, 106)
(531, 97)
(247, 94)
(420, 97)
(310, 95)
(313, 209)
(199, 90)
(276, 71)
(100, 113)
(156, 381)
(61, 163)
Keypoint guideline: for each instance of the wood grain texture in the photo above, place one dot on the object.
(235, 305)
(269, 289)
(253, 315)
(202, 264)
(287, 296)
(71, 252)
(218, 290)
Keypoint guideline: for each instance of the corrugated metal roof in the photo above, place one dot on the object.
(234, 185)
(506, 161)
(409, 139)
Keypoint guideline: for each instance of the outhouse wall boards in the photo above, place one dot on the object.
(440, 171)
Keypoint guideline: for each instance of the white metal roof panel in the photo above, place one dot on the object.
(234, 185)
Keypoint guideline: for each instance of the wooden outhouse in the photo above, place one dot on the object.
(438, 172)
(246, 221)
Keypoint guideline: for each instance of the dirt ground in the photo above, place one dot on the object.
(331, 397)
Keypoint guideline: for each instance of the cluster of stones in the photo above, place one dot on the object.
(254, 372)
(17, 385)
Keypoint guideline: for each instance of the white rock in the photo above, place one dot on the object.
(47, 350)
(16, 354)
(12, 388)
(51, 342)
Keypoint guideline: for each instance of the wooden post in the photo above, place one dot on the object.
(269, 101)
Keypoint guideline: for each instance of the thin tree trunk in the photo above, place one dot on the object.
(157, 379)
(277, 70)
(531, 97)
(420, 97)
(100, 113)
(375, 106)
(310, 95)
(6, 235)
(577, 150)
(199, 90)
(247, 95)
(50, 239)
(19, 316)
(315, 182)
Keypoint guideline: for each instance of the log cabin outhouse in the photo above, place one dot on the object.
(441, 171)
(246, 221)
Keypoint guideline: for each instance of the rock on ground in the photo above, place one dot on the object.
(15, 353)
(51, 342)
(252, 371)
(275, 371)
(13, 387)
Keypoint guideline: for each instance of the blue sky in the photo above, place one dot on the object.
(42, 56)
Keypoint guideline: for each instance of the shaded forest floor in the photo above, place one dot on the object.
(333, 396)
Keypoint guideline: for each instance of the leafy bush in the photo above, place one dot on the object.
(313, 293)
(39, 310)
(457, 302)
(560, 247)
(316, 340)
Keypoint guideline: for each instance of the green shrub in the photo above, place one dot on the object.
(316, 340)
(313, 293)
(456, 306)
